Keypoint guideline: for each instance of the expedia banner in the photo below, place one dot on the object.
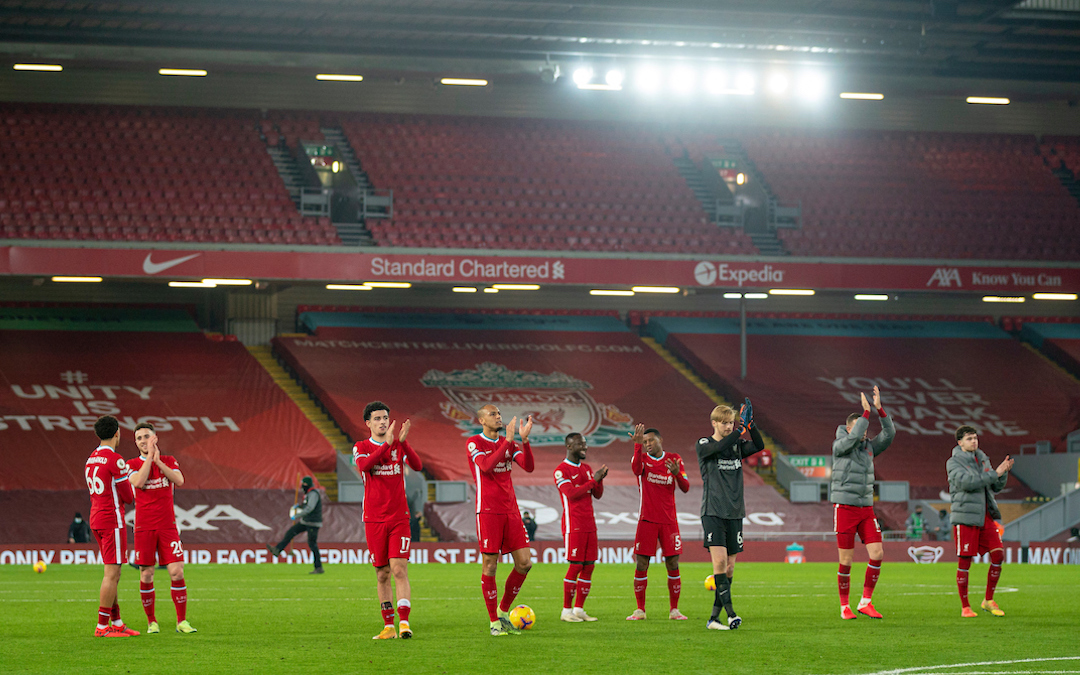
(512, 266)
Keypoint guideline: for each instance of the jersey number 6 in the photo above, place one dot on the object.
(93, 483)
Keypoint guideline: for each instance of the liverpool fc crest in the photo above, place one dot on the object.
(558, 403)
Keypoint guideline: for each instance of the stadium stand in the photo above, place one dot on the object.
(805, 375)
(1059, 341)
(573, 373)
(216, 409)
(555, 185)
(583, 372)
(908, 194)
(112, 173)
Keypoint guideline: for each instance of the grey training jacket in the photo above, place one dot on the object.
(853, 461)
(972, 482)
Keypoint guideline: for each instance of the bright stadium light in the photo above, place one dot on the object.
(732, 296)
(1002, 298)
(463, 82)
(604, 291)
(330, 77)
(755, 296)
(871, 296)
(647, 79)
(388, 284)
(182, 72)
(861, 96)
(583, 76)
(491, 290)
(988, 100)
(790, 291)
(190, 284)
(744, 85)
(614, 78)
(715, 81)
(683, 80)
(463, 289)
(78, 280)
(778, 83)
(516, 287)
(228, 282)
(655, 289)
(348, 287)
(38, 67)
(1054, 296)
(812, 86)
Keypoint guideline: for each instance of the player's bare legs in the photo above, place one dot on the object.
(674, 587)
(719, 556)
(109, 582)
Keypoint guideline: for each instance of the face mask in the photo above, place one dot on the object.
(78, 520)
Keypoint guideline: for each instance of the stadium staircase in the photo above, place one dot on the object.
(767, 242)
(769, 475)
(691, 173)
(311, 409)
(287, 168)
(1068, 180)
(351, 234)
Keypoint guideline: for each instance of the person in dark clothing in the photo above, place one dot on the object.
(78, 531)
(723, 508)
(308, 517)
(530, 525)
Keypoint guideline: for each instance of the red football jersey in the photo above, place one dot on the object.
(107, 480)
(382, 468)
(154, 500)
(656, 485)
(495, 488)
(577, 489)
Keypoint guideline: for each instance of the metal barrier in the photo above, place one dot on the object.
(1047, 521)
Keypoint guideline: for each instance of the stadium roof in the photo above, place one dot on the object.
(1036, 40)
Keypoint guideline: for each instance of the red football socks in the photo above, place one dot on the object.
(843, 581)
(640, 584)
(962, 579)
(179, 598)
(996, 558)
(873, 571)
(146, 592)
(510, 592)
(491, 596)
(403, 609)
(387, 611)
(584, 584)
(674, 587)
(570, 583)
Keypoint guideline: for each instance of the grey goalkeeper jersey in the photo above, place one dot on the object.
(721, 471)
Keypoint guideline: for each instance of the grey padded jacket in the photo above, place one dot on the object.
(972, 482)
(853, 461)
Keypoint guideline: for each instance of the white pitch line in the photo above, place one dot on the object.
(926, 669)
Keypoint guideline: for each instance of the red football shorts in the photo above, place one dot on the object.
(581, 546)
(974, 540)
(388, 540)
(113, 545)
(165, 543)
(851, 520)
(500, 532)
(649, 534)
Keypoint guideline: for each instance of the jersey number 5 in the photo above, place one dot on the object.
(93, 483)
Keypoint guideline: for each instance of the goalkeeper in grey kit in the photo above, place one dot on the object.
(722, 508)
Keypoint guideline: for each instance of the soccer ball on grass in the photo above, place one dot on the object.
(40, 566)
(522, 617)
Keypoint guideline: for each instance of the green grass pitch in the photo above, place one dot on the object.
(259, 619)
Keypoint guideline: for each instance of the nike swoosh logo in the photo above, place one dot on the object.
(151, 267)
